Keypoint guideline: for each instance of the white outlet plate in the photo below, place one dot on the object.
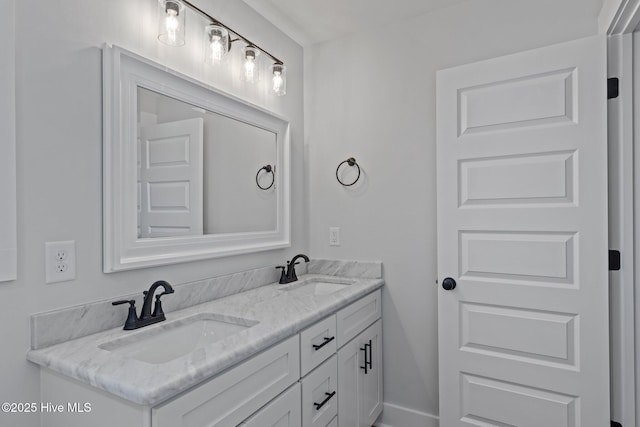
(334, 236)
(60, 261)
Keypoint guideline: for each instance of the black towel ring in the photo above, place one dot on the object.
(268, 169)
(351, 161)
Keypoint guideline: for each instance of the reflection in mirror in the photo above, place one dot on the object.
(197, 171)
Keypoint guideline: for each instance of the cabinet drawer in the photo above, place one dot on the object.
(358, 316)
(320, 395)
(231, 397)
(284, 411)
(317, 344)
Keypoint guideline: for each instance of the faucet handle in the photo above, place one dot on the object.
(157, 309)
(125, 301)
(132, 317)
(282, 273)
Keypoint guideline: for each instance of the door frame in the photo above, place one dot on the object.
(618, 19)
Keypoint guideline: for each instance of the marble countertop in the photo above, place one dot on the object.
(280, 312)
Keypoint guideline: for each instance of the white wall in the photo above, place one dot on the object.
(8, 251)
(59, 156)
(372, 96)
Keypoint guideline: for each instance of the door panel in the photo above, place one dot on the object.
(522, 228)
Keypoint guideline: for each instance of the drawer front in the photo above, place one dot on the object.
(231, 397)
(283, 411)
(317, 344)
(320, 394)
(358, 316)
(333, 423)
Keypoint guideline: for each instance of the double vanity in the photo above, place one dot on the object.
(306, 353)
(180, 158)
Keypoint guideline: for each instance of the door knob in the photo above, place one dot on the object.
(448, 284)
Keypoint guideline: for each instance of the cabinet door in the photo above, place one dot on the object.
(360, 392)
(371, 382)
(283, 411)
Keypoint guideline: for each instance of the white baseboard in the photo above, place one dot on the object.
(398, 416)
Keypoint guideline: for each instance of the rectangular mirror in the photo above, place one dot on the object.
(189, 172)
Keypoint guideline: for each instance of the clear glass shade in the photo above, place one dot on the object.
(216, 43)
(171, 22)
(279, 79)
(250, 65)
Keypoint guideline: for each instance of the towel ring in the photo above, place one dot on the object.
(268, 169)
(351, 161)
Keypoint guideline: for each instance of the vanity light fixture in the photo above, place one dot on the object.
(171, 22)
(218, 41)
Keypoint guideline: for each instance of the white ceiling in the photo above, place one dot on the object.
(313, 21)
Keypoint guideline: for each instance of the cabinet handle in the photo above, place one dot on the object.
(366, 359)
(327, 340)
(326, 399)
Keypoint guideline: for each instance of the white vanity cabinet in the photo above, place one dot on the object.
(311, 379)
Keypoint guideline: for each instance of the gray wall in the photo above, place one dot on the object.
(59, 156)
(372, 96)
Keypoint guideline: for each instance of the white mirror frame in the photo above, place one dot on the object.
(123, 73)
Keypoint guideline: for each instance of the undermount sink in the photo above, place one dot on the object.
(318, 286)
(171, 340)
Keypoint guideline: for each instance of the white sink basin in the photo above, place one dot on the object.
(318, 286)
(178, 338)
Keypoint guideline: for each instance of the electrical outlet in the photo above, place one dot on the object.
(334, 236)
(60, 261)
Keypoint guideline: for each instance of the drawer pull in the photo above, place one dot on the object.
(328, 398)
(368, 363)
(327, 340)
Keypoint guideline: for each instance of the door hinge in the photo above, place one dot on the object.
(613, 87)
(615, 424)
(614, 260)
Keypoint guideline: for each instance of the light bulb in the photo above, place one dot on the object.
(251, 71)
(217, 42)
(279, 79)
(171, 22)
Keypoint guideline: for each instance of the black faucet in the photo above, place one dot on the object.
(289, 275)
(146, 317)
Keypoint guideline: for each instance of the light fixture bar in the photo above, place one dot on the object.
(240, 36)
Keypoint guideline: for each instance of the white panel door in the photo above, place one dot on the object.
(171, 179)
(522, 229)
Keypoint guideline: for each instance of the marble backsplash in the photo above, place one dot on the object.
(359, 269)
(65, 324)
